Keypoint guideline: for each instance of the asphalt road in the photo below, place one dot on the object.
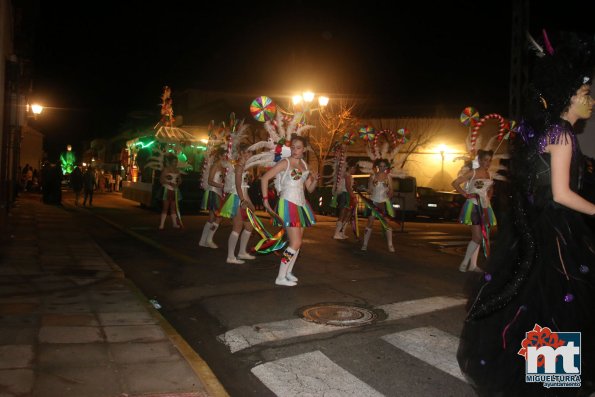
(251, 332)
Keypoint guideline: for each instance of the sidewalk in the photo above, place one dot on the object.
(71, 324)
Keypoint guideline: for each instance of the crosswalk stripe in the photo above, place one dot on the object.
(246, 336)
(400, 310)
(430, 345)
(311, 374)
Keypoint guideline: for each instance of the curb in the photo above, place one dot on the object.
(212, 385)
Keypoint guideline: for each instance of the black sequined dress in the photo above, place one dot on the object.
(541, 272)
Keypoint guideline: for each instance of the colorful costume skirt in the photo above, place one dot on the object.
(231, 206)
(472, 214)
(171, 195)
(211, 201)
(385, 208)
(294, 215)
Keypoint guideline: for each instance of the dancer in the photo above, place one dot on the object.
(380, 188)
(477, 210)
(212, 197)
(170, 181)
(345, 198)
(540, 277)
(235, 207)
(236, 192)
(293, 209)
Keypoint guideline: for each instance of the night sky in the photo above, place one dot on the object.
(96, 62)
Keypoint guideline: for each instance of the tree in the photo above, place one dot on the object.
(336, 119)
(423, 132)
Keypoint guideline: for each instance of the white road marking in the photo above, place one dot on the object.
(247, 336)
(400, 310)
(311, 374)
(430, 345)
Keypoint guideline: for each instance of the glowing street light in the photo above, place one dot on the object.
(306, 98)
(36, 109)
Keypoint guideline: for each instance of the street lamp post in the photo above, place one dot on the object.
(442, 168)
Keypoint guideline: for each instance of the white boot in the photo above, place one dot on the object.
(473, 262)
(174, 221)
(288, 254)
(342, 233)
(212, 230)
(337, 235)
(389, 240)
(162, 224)
(231, 248)
(203, 236)
(471, 248)
(367, 235)
(290, 275)
(243, 254)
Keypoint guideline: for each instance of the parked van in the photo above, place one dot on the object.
(404, 194)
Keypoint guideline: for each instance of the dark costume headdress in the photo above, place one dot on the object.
(557, 74)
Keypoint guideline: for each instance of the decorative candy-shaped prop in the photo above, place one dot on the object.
(340, 155)
(503, 124)
(469, 116)
(404, 135)
(349, 138)
(388, 133)
(367, 133)
(263, 109)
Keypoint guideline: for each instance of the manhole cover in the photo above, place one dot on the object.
(338, 314)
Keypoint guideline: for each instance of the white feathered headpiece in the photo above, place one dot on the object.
(387, 151)
(280, 131)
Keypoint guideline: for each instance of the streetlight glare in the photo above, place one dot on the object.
(308, 96)
(296, 99)
(36, 108)
(442, 148)
(323, 100)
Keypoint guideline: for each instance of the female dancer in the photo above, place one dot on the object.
(539, 292)
(170, 181)
(212, 198)
(293, 209)
(236, 202)
(344, 194)
(477, 210)
(380, 188)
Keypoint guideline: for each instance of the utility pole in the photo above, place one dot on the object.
(519, 67)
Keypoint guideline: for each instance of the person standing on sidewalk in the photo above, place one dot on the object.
(477, 210)
(89, 184)
(213, 184)
(293, 210)
(76, 182)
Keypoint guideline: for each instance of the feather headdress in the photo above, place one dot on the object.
(280, 131)
(386, 151)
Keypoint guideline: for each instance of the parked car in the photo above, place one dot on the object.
(440, 205)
